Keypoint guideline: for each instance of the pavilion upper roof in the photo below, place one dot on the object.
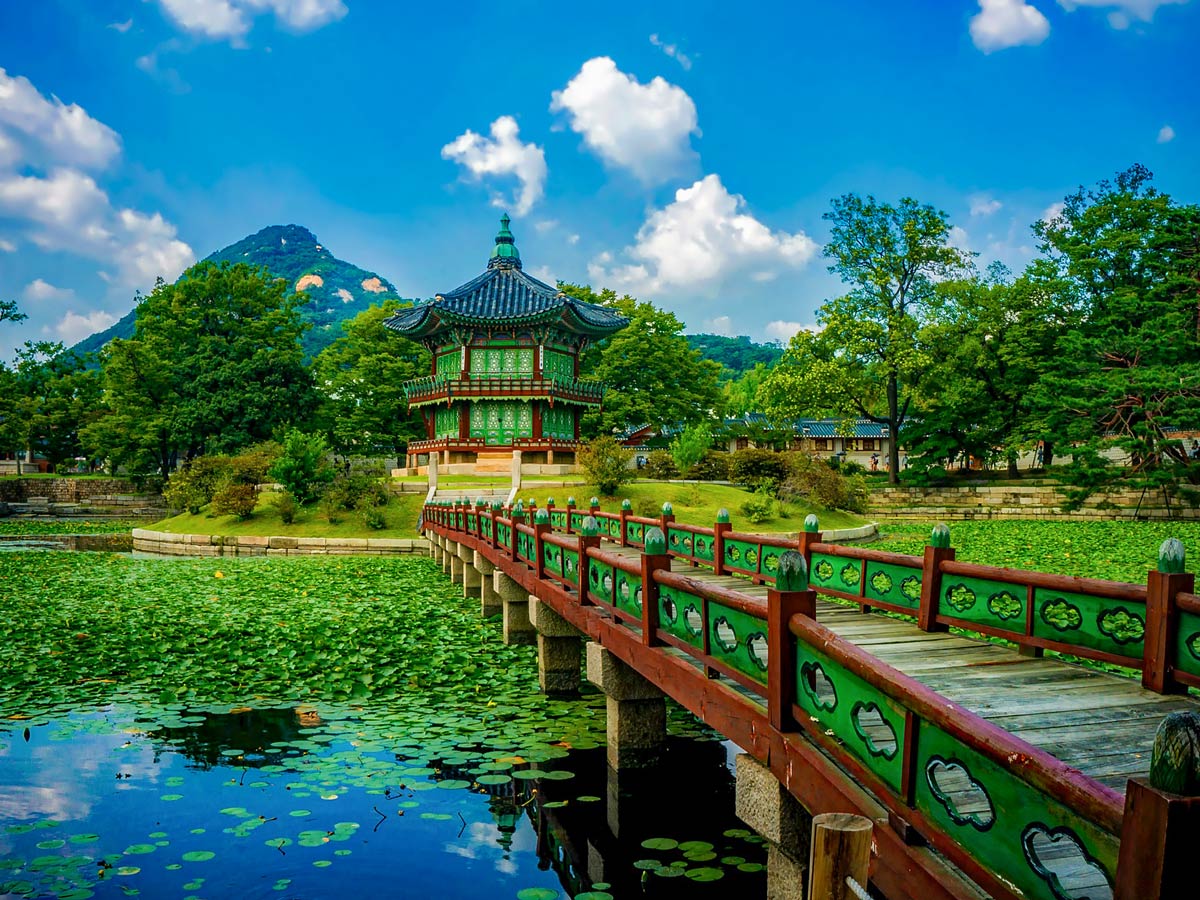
(502, 297)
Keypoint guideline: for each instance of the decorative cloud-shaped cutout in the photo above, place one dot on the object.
(670, 611)
(966, 800)
(732, 553)
(594, 576)
(910, 587)
(607, 582)
(756, 649)
(874, 730)
(1005, 605)
(960, 597)
(818, 686)
(693, 621)
(1057, 856)
(701, 547)
(1061, 615)
(751, 557)
(770, 562)
(687, 544)
(1121, 625)
(823, 570)
(881, 583)
(623, 587)
(1193, 645)
(851, 574)
(724, 635)
(637, 597)
(673, 539)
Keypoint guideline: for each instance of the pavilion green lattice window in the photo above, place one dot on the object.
(501, 362)
(558, 422)
(449, 364)
(557, 365)
(446, 422)
(501, 422)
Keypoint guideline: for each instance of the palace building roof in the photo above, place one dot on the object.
(504, 297)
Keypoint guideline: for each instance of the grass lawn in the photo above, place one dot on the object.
(401, 514)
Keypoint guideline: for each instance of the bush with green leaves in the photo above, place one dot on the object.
(815, 481)
(605, 464)
(648, 507)
(302, 467)
(286, 506)
(690, 445)
(189, 488)
(253, 465)
(713, 466)
(760, 507)
(372, 516)
(235, 500)
(356, 491)
(756, 468)
(660, 466)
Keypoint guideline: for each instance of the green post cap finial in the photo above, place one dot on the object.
(497, 505)
(549, 501)
(668, 509)
(792, 573)
(626, 506)
(479, 501)
(1171, 556)
(519, 509)
(722, 516)
(591, 527)
(1175, 759)
(541, 517)
(570, 501)
(811, 525)
(595, 501)
(656, 541)
(940, 536)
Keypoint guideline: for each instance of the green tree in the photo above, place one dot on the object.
(214, 365)
(653, 375)
(302, 468)
(9, 311)
(605, 464)
(56, 394)
(11, 425)
(360, 378)
(868, 359)
(691, 444)
(1124, 260)
(741, 394)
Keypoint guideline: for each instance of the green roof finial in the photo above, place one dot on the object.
(505, 253)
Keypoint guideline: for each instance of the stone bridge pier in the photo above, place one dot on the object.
(636, 710)
(514, 609)
(774, 814)
(559, 648)
(489, 600)
(471, 577)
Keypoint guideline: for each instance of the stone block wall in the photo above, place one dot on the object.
(1017, 502)
(164, 543)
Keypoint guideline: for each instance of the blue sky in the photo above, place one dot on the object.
(683, 152)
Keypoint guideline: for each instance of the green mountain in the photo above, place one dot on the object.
(337, 290)
(737, 354)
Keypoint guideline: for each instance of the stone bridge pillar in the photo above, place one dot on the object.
(766, 806)
(456, 563)
(514, 602)
(470, 575)
(558, 649)
(489, 600)
(637, 711)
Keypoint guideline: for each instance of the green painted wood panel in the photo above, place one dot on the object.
(634, 532)
(552, 558)
(681, 614)
(991, 603)
(741, 555)
(1094, 622)
(600, 580)
(629, 593)
(1010, 827)
(900, 585)
(738, 640)
(836, 573)
(570, 566)
(1187, 644)
(684, 543)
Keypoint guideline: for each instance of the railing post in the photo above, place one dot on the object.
(1160, 830)
(668, 516)
(496, 511)
(1162, 617)
(480, 509)
(840, 850)
(517, 517)
(790, 595)
(626, 508)
(720, 528)
(809, 536)
(541, 524)
(936, 552)
(550, 510)
(589, 536)
(654, 558)
(570, 513)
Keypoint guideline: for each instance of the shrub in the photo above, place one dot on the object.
(287, 507)
(188, 490)
(301, 467)
(253, 465)
(235, 500)
(690, 446)
(605, 463)
(757, 468)
(760, 507)
(357, 491)
(648, 507)
(372, 516)
(713, 466)
(819, 483)
(660, 465)
(330, 508)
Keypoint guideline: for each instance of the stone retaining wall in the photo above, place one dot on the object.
(165, 543)
(1019, 502)
(98, 491)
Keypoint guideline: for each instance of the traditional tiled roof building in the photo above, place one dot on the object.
(505, 372)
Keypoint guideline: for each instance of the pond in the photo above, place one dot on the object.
(321, 728)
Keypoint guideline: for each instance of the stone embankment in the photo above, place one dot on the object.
(1035, 501)
(85, 498)
(164, 543)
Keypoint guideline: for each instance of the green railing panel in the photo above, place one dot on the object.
(836, 573)
(1044, 849)
(868, 723)
(552, 558)
(991, 603)
(741, 555)
(629, 593)
(558, 519)
(702, 546)
(738, 639)
(634, 531)
(681, 614)
(600, 580)
(525, 545)
(1187, 649)
(894, 584)
(471, 522)
(770, 561)
(503, 534)
(1111, 626)
(685, 543)
(569, 560)
(614, 527)
(577, 520)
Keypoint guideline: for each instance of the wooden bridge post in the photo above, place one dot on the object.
(1160, 830)
(790, 595)
(668, 516)
(1162, 617)
(809, 536)
(654, 558)
(541, 524)
(518, 517)
(570, 513)
(720, 528)
(840, 849)
(936, 552)
(626, 508)
(589, 536)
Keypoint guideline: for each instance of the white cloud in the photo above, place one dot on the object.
(73, 327)
(782, 331)
(1007, 23)
(63, 133)
(505, 155)
(1052, 212)
(122, 27)
(39, 289)
(959, 238)
(545, 225)
(7, 246)
(673, 51)
(1122, 10)
(984, 205)
(1166, 134)
(720, 325)
(572, 239)
(231, 19)
(644, 128)
(697, 240)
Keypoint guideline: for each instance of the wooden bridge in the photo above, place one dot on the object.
(988, 768)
